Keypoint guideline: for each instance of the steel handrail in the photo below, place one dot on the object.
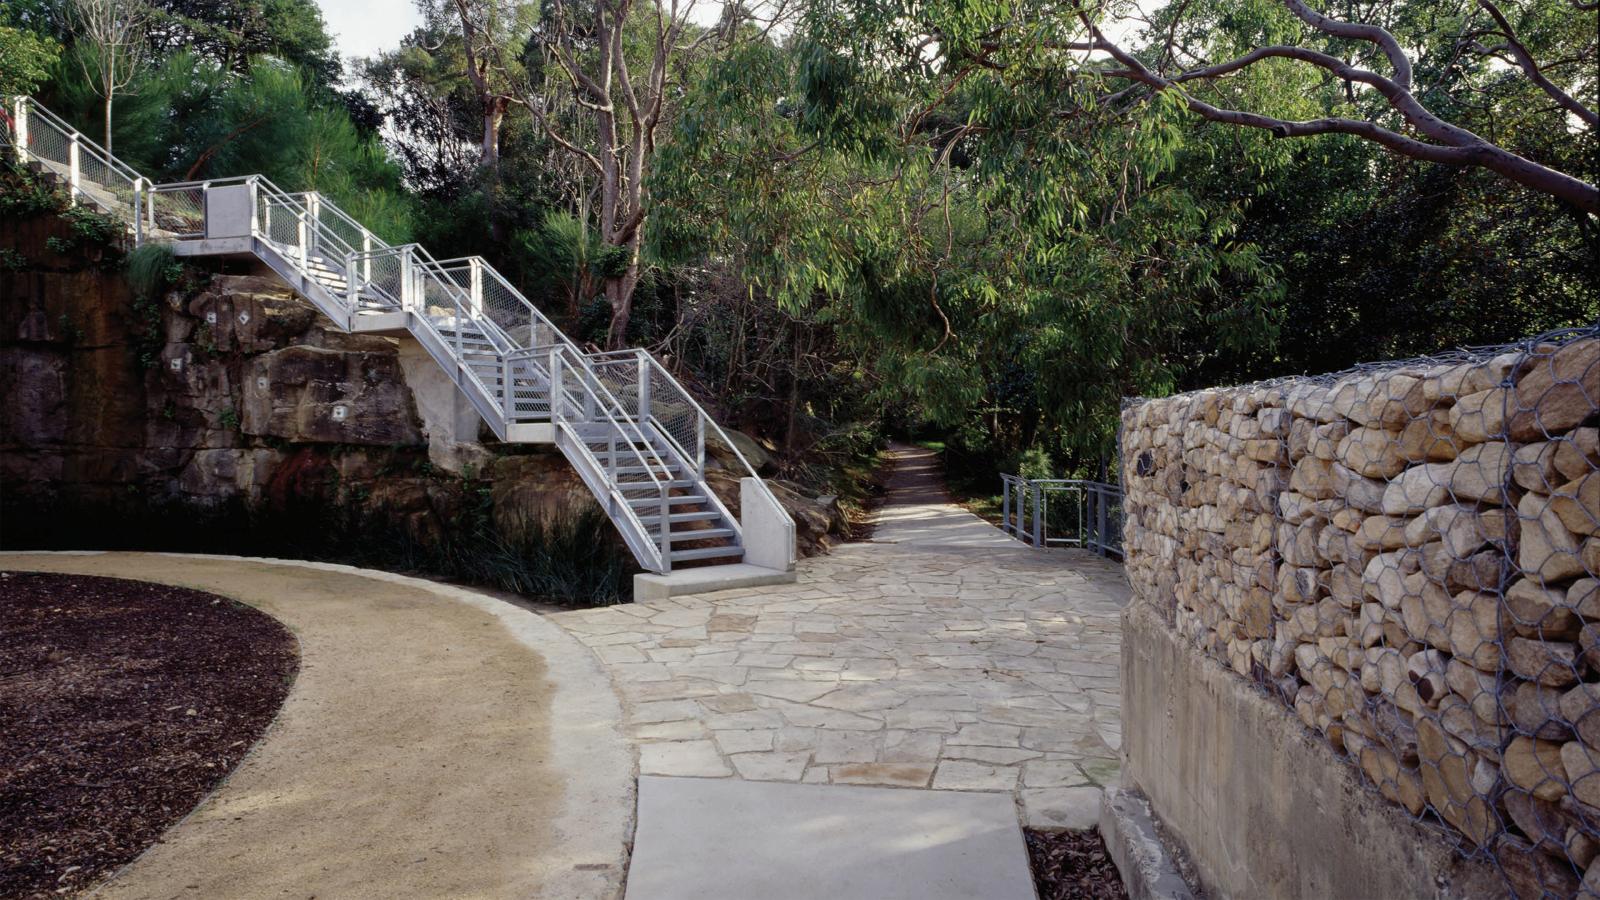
(100, 152)
(705, 418)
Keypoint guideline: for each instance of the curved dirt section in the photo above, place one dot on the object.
(435, 743)
(123, 703)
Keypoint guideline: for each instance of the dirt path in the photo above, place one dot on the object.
(426, 748)
(918, 509)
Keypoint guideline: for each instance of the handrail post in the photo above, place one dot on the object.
(475, 280)
(1005, 505)
(300, 239)
(556, 393)
(366, 255)
(352, 295)
(314, 214)
(72, 167)
(22, 129)
(1038, 495)
(644, 389)
(1101, 520)
(505, 385)
(700, 446)
(138, 210)
(407, 301)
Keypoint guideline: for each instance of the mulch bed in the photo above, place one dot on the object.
(1073, 865)
(122, 704)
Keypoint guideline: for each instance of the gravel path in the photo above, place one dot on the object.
(426, 749)
(942, 655)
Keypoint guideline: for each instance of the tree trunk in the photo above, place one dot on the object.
(494, 113)
(619, 291)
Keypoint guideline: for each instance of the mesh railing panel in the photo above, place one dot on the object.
(674, 412)
(49, 145)
(180, 211)
(1409, 555)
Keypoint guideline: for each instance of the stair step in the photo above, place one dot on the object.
(707, 553)
(640, 502)
(667, 470)
(700, 534)
(697, 516)
(653, 485)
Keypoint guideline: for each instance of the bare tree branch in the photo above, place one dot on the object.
(1450, 144)
(1525, 61)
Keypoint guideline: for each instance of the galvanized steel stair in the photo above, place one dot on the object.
(635, 436)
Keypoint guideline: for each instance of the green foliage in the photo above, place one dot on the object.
(152, 267)
(25, 194)
(25, 60)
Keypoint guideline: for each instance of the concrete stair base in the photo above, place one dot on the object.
(705, 580)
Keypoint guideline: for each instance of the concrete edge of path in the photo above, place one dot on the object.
(586, 741)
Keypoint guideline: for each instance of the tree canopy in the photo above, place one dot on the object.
(986, 219)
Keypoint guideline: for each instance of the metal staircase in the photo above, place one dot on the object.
(635, 436)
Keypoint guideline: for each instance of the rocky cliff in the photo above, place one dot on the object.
(224, 414)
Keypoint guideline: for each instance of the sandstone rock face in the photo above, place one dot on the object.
(1434, 530)
(234, 395)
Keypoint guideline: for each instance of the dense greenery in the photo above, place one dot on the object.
(931, 216)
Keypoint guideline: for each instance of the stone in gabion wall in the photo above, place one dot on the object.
(1408, 553)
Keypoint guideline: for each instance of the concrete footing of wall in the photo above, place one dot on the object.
(1129, 829)
(1260, 805)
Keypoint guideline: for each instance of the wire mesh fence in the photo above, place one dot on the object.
(1407, 554)
(1063, 512)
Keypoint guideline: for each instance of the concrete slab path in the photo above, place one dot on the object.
(436, 743)
(943, 656)
(705, 839)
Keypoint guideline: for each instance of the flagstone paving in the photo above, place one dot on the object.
(972, 665)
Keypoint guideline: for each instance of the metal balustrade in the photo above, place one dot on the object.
(636, 436)
(1063, 512)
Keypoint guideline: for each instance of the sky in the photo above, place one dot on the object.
(363, 27)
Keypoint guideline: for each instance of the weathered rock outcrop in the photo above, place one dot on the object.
(231, 394)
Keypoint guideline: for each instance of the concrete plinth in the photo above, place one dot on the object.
(1264, 807)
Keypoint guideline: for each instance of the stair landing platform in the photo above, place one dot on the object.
(647, 586)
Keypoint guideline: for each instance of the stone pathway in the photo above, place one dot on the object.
(941, 655)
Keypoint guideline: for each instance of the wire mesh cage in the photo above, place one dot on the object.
(1407, 554)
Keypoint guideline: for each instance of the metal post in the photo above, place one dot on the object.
(1038, 494)
(644, 389)
(138, 211)
(366, 255)
(475, 279)
(1005, 505)
(556, 393)
(406, 300)
(72, 167)
(352, 294)
(1101, 522)
(22, 129)
(700, 446)
(314, 214)
(300, 239)
(505, 385)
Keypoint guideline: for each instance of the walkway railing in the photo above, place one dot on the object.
(630, 428)
(1063, 512)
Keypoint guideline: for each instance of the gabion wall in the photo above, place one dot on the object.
(1407, 553)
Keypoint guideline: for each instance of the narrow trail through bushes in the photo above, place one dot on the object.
(123, 703)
